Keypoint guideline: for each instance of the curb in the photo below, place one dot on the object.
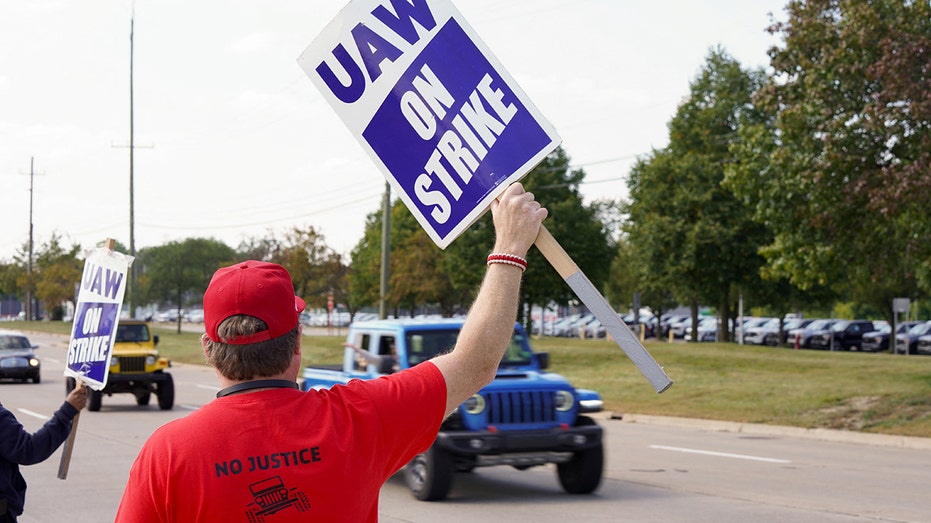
(833, 435)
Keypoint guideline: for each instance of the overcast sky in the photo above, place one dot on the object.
(233, 141)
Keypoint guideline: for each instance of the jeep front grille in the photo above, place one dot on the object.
(535, 406)
(272, 498)
(132, 363)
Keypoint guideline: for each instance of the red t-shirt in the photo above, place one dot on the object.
(283, 455)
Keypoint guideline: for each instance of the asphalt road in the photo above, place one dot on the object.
(660, 470)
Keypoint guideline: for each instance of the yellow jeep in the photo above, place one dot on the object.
(135, 367)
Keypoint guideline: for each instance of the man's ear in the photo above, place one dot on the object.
(203, 344)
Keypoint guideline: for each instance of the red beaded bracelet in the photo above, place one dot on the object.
(509, 259)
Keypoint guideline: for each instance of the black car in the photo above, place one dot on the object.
(909, 340)
(843, 335)
(17, 357)
(878, 341)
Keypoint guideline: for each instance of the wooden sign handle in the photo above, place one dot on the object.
(599, 306)
(67, 449)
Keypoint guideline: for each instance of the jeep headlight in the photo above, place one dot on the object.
(114, 361)
(564, 400)
(149, 360)
(475, 404)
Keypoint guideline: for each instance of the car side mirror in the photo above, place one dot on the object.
(155, 339)
(543, 359)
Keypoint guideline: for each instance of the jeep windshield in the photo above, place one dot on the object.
(425, 344)
(132, 332)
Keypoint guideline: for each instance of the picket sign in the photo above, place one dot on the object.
(97, 313)
(446, 124)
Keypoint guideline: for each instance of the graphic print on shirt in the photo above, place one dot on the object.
(271, 495)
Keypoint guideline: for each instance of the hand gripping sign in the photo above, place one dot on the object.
(446, 124)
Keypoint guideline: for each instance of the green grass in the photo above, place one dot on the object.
(878, 393)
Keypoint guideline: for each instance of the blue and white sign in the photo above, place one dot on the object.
(431, 105)
(100, 300)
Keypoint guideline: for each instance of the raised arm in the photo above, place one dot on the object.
(473, 363)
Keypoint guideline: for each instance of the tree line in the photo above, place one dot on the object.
(176, 274)
(802, 186)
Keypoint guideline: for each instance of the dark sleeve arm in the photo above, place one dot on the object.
(18, 446)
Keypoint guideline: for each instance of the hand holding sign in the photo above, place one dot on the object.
(445, 123)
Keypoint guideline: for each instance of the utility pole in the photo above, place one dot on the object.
(385, 252)
(131, 284)
(29, 297)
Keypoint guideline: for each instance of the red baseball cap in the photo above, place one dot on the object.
(254, 288)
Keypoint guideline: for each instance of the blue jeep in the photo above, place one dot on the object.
(524, 418)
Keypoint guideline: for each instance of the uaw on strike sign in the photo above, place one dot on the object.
(100, 300)
(434, 109)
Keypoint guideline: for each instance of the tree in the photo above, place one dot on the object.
(179, 271)
(690, 234)
(365, 267)
(416, 275)
(838, 170)
(56, 275)
(316, 269)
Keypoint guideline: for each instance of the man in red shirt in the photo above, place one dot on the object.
(264, 451)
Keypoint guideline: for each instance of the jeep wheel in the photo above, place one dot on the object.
(166, 393)
(94, 399)
(429, 476)
(582, 473)
(142, 398)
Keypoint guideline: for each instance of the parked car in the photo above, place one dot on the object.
(595, 329)
(562, 326)
(878, 340)
(194, 316)
(678, 328)
(667, 322)
(843, 335)
(924, 345)
(802, 337)
(757, 335)
(18, 358)
(645, 321)
(749, 323)
(775, 338)
(578, 326)
(707, 329)
(909, 340)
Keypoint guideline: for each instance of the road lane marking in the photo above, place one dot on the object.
(720, 454)
(214, 388)
(33, 414)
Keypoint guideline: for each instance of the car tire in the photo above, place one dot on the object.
(429, 476)
(94, 400)
(165, 390)
(143, 398)
(582, 474)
